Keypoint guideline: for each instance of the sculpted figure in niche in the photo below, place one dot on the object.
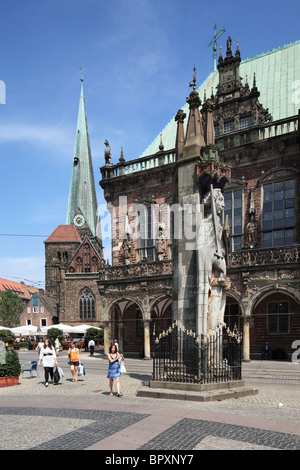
(211, 264)
(161, 245)
(251, 231)
(127, 249)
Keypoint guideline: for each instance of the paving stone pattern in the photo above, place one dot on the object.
(103, 424)
(188, 433)
(83, 415)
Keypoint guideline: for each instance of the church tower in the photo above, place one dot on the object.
(82, 206)
(75, 247)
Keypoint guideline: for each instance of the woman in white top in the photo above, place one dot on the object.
(48, 356)
(40, 345)
(57, 346)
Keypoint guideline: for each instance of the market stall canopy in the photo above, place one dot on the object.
(61, 326)
(83, 328)
(28, 330)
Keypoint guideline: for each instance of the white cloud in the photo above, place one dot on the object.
(37, 135)
(31, 270)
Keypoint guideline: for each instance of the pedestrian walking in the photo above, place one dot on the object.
(57, 346)
(40, 345)
(74, 359)
(48, 356)
(114, 368)
(91, 346)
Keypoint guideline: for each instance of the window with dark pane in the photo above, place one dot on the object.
(228, 127)
(87, 305)
(231, 316)
(278, 219)
(234, 211)
(245, 122)
(278, 317)
(145, 234)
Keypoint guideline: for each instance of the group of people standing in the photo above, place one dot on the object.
(48, 355)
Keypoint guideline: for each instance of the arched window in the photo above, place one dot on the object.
(87, 305)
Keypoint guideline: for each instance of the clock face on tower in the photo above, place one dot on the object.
(78, 220)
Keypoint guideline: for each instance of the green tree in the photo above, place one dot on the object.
(7, 336)
(54, 333)
(12, 366)
(101, 336)
(96, 335)
(10, 308)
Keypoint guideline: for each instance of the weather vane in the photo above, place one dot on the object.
(214, 42)
(82, 70)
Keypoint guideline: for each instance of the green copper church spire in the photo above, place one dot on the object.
(82, 206)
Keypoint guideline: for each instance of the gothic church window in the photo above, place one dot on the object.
(87, 305)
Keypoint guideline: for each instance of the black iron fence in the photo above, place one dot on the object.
(181, 356)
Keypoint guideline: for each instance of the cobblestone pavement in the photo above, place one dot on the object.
(83, 415)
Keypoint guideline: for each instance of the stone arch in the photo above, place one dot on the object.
(233, 298)
(124, 302)
(125, 319)
(161, 314)
(275, 319)
(264, 292)
(234, 295)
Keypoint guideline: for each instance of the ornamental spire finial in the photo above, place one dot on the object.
(193, 83)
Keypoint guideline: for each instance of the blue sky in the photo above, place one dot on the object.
(138, 56)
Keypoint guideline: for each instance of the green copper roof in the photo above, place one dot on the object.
(276, 73)
(82, 195)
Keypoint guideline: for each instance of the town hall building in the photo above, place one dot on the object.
(240, 127)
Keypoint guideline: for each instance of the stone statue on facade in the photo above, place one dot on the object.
(251, 232)
(127, 249)
(161, 245)
(107, 153)
(251, 228)
(211, 264)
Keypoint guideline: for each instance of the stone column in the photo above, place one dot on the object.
(246, 339)
(120, 336)
(147, 339)
(106, 336)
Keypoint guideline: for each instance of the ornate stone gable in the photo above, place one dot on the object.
(86, 259)
(236, 104)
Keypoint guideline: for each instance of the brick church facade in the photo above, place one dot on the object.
(248, 120)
